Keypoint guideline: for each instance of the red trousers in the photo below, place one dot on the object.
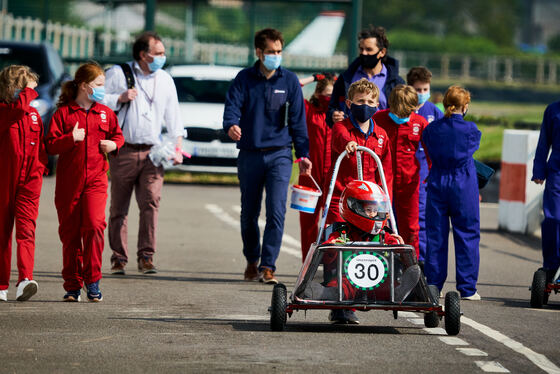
(81, 220)
(405, 204)
(19, 202)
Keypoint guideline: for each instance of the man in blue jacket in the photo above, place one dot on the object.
(547, 168)
(373, 64)
(264, 113)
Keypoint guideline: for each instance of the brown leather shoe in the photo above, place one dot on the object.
(146, 266)
(251, 272)
(267, 276)
(117, 268)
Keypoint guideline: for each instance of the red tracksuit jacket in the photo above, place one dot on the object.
(22, 168)
(344, 132)
(405, 140)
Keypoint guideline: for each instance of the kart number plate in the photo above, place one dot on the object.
(366, 270)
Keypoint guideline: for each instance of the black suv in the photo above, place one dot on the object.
(43, 59)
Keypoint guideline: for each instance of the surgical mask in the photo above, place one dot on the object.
(272, 62)
(98, 93)
(465, 113)
(16, 93)
(398, 120)
(363, 112)
(370, 61)
(158, 63)
(423, 97)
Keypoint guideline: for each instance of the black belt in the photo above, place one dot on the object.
(138, 147)
(268, 149)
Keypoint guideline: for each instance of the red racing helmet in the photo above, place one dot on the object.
(365, 205)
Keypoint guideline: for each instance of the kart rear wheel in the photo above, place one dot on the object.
(538, 287)
(278, 308)
(431, 319)
(452, 313)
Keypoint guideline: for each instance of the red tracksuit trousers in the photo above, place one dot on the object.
(81, 226)
(19, 202)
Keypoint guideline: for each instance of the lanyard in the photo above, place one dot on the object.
(148, 98)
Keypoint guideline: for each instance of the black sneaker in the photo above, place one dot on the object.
(93, 292)
(72, 296)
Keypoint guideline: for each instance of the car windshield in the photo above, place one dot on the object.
(31, 57)
(201, 90)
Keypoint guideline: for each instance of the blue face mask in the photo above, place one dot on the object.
(98, 93)
(158, 63)
(362, 113)
(423, 97)
(272, 62)
(16, 93)
(398, 120)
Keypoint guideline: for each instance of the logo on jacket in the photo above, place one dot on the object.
(415, 129)
(430, 118)
(103, 116)
(380, 142)
(34, 118)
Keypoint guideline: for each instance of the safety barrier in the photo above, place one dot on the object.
(520, 203)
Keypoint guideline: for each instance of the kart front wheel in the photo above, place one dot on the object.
(538, 288)
(278, 308)
(431, 319)
(452, 313)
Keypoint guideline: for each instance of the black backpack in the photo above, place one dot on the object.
(129, 76)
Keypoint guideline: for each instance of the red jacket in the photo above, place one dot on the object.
(21, 138)
(344, 132)
(404, 141)
(319, 142)
(81, 163)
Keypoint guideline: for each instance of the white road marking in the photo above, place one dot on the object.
(225, 217)
(491, 367)
(416, 321)
(472, 352)
(453, 340)
(435, 331)
(538, 359)
(408, 314)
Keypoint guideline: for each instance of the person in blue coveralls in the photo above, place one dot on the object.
(547, 168)
(420, 78)
(450, 143)
(373, 64)
(264, 113)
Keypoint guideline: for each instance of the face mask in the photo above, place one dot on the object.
(370, 61)
(16, 93)
(272, 62)
(423, 97)
(363, 112)
(465, 113)
(398, 120)
(158, 63)
(98, 93)
(324, 102)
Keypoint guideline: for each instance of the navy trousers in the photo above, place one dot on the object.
(453, 196)
(551, 223)
(258, 171)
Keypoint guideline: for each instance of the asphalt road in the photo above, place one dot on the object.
(197, 315)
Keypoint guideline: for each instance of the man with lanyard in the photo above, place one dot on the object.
(264, 113)
(373, 64)
(142, 111)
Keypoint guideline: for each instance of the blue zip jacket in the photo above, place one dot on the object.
(259, 106)
(340, 88)
(548, 138)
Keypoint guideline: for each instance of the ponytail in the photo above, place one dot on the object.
(449, 110)
(455, 98)
(69, 92)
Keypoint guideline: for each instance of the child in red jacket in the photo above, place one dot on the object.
(359, 129)
(22, 169)
(82, 132)
(319, 153)
(404, 128)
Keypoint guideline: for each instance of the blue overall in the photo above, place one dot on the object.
(550, 171)
(452, 194)
(271, 115)
(431, 113)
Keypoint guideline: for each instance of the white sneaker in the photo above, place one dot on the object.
(4, 295)
(25, 289)
(473, 297)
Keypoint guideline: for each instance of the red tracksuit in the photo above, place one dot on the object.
(404, 141)
(320, 155)
(344, 132)
(22, 168)
(81, 188)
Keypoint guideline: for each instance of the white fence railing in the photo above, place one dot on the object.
(82, 43)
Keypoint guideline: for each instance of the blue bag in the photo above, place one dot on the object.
(483, 172)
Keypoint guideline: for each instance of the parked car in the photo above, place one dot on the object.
(45, 61)
(202, 90)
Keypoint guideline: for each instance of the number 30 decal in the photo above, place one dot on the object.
(366, 270)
